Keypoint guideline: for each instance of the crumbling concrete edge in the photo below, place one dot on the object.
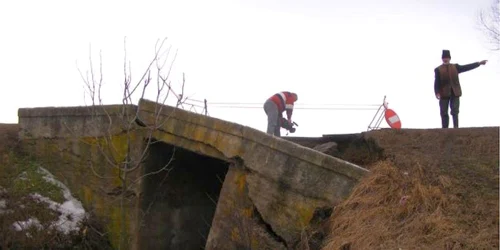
(360, 171)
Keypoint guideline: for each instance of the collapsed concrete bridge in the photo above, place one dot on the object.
(200, 182)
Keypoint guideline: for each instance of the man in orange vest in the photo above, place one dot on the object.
(447, 87)
(274, 108)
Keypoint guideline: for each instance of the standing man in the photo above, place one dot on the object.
(274, 107)
(447, 87)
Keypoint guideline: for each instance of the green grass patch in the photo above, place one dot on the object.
(21, 176)
(32, 181)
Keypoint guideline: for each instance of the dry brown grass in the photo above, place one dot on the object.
(437, 190)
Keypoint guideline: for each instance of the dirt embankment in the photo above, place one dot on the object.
(8, 136)
(9, 139)
(428, 189)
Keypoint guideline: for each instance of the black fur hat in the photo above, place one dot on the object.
(446, 54)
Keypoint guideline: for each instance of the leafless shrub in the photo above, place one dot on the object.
(126, 158)
(489, 22)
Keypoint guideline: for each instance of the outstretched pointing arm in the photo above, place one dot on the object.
(467, 67)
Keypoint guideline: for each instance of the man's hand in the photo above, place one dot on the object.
(483, 62)
(438, 96)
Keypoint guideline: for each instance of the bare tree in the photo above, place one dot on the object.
(154, 80)
(489, 21)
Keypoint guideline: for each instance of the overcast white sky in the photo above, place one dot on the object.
(331, 52)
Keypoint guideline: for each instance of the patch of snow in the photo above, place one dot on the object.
(23, 225)
(23, 176)
(70, 214)
(71, 211)
(3, 206)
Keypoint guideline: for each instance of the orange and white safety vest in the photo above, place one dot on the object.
(284, 100)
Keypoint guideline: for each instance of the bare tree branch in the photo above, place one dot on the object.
(128, 162)
(489, 22)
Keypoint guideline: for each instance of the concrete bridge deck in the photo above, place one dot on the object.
(249, 189)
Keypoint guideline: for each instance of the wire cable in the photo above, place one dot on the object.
(296, 108)
(304, 108)
(297, 104)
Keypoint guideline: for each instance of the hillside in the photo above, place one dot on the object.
(8, 137)
(428, 189)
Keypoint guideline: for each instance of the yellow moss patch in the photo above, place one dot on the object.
(163, 136)
(248, 212)
(116, 228)
(116, 181)
(241, 182)
(87, 195)
(198, 132)
(52, 148)
(305, 214)
(254, 242)
(115, 148)
(235, 234)
(90, 199)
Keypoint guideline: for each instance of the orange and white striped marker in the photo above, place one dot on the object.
(392, 119)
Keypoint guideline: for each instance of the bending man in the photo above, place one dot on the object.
(447, 87)
(275, 106)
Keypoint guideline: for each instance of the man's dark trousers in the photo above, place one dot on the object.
(454, 103)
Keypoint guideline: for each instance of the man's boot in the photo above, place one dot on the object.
(445, 121)
(455, 121)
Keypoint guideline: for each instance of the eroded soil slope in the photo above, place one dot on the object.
(428, 189)
(9, 141)
(8, 136)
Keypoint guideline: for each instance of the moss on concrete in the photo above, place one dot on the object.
(305, 215)
(119, 232)
(70, 160)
